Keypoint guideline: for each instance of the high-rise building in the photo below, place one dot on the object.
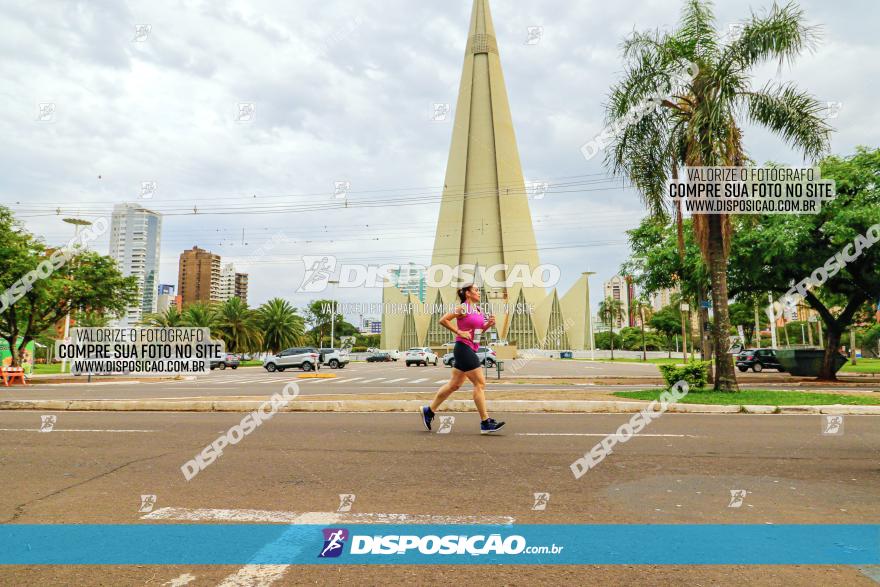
(409, 280)
(662, 298)
(227, 282)
(241, 286)
(198, 277)
(485, 221)
(135, 235)
(167, 298)
(618, 288)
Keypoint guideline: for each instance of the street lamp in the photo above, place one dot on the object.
(76, 222)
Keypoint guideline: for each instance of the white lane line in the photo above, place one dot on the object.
(396, 380)
(419, 380)
(284, 517)
(348, 380)
(252, 575)
(372, 380)
(69, 430)
(599, 434)
(441, 381)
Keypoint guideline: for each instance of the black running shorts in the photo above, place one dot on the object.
(466, 358)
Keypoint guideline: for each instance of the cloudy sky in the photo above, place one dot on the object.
(343, 91)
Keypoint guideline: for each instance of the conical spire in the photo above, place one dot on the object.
(484, 214)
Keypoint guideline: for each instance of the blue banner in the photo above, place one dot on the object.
(613, 544)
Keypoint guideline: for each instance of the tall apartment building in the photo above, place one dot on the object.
(241, 286)
(199, 276)
(410, 280)
(135, 234)
(227, 282)
(617, 288)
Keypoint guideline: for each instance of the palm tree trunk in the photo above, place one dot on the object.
(725, 374)
(642, 321)
(611, 339)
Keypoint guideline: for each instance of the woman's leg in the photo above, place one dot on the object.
(479, 380)
(444, 392)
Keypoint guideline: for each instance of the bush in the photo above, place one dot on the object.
(359, 349)
(695, 373)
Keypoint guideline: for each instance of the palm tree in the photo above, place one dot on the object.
(611, 310)
(280, 325)
(641, 307)
(700, 125)
(199, 315)
(169, 318)
(236, 325)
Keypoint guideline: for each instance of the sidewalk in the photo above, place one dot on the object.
(304, 404)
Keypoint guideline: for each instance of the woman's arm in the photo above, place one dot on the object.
(446, 322)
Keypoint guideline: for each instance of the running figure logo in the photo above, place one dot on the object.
(147, 503)
(47, 423)
(346, 500)
(541, 501)
(334, 541)
(832, 425)
(446, 423)
(318, 272)
(737, 497)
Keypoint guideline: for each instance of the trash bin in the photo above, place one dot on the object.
(806, 362)
(565, 355)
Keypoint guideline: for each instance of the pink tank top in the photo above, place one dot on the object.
(471, 320)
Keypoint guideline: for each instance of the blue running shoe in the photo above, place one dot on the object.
(489, 426)
(427, 416)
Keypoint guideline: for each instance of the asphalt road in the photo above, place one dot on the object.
(94, 467)
(357, 378)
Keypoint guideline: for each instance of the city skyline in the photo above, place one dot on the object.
(395, 139)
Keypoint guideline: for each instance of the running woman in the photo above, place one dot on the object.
(469, 321)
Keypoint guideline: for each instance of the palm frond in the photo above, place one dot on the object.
(793, 114)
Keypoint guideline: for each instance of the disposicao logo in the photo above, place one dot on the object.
(334, 541)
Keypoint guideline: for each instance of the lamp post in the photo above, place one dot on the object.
(76, 222)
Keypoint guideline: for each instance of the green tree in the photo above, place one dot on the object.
(237, 325)
(611, 310)
(781, 250)
(281, 326)
(642, 309)
(87, 282)
(667, 321)
(169, 318)
(319, 314)
(700, 125)
(199, 315)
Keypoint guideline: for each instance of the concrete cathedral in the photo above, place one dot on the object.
(484, 222)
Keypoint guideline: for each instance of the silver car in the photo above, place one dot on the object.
(307, 359)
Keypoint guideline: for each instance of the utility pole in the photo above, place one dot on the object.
(757, 328)
(332, 312)
(852, 343)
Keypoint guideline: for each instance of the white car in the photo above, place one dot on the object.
(395, 354)
(420, 356)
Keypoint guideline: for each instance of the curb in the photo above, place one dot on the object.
(548, 406)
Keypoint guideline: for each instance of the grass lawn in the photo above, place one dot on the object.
(862, 366)
(759, 397)
(251, 363)
(47, 369)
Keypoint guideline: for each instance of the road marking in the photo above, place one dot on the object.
(396, 380)
(599, 434)
(419, 380)
(252, 575)
(284, 517)
(180, 581)
(348, 380)
(68, 430)
(372, 380)
(441, 381)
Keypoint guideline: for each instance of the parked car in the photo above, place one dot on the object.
(420, 356)
(757, 360)
(393, 353)
(334, 358)
(486, 355)
(379, 357)
(305, 358)
(231, 361)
